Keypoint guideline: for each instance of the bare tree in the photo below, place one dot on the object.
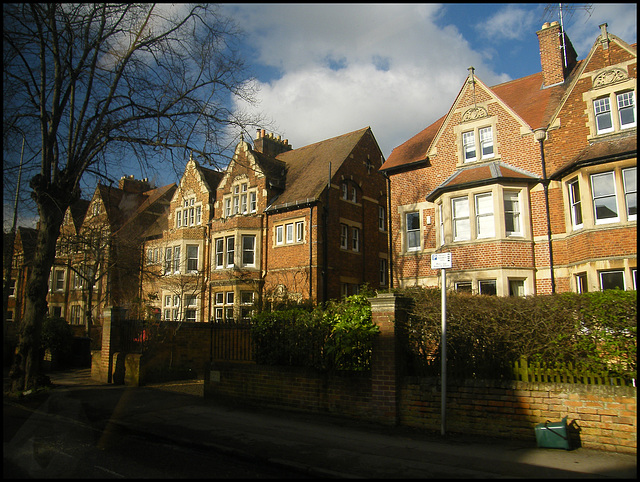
(90, 85)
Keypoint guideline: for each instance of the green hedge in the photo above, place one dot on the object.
(338, 337)
(485, 334)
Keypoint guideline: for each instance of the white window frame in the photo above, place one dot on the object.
(382, 215)
(577, 219)
(519, 283)
(441, 223)
(486, 141)
(469, 146)
(176, 259)
(253, 201)
(459, 218)
(626, 100)
(178, 218)
(484, 216)
(58, 281)
(279, 235)
(610, 272)
(613, 219)
(219, 253)
(487, 282)
(383, 272)
(514, 211)
(630, 191)
(355, 239)
(230, 249)
(602, 110)
(412, 236)
(300, 231)
(289, 232)
(344, 236)
(227, 207)
(249, 254)
(191, 259)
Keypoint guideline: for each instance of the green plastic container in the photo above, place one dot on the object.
(552, 435)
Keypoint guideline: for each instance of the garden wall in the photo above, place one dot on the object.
(599, 416)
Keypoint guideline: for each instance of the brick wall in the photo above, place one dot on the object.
(292, 388)
(603, 417)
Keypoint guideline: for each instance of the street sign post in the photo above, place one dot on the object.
(442, 261)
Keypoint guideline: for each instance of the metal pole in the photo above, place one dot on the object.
(443, 351)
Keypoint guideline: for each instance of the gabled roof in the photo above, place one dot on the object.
(26, 238)
(307, 168)
(524, 96)
(79, 211)
(210, 176)
(148, 206)
(490, 173)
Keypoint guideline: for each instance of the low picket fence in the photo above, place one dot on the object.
(525, 371)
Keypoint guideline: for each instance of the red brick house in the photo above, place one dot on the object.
(482, 181)
(277, 223)
(101, 240)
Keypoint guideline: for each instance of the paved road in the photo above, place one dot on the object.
(66, 434)
(178, 423)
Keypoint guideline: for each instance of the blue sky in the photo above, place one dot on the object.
(323, 70)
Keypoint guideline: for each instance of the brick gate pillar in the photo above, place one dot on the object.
(111, 318)
(386, 309)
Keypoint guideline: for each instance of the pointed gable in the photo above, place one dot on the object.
(525, 98)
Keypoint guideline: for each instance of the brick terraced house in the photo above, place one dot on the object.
(99, 250)
(530, 184)
(277, 223)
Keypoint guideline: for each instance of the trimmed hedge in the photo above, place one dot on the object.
(338, 337)
(486, 334)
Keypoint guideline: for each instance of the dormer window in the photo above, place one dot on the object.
(241, 200)
(602, 109)
(486, 142)
(470, 148)
(189, 213)
(626, 109)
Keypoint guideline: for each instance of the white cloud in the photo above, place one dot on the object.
(583, 28)
(393, 67)
(510, 23)
(345, 67)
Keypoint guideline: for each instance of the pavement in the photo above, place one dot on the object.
(318, 445)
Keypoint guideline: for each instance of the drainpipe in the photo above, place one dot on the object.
(389, 240)
(310, 253)
(540, 135)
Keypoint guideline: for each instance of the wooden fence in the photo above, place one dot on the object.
(525, 371)
(231, 342)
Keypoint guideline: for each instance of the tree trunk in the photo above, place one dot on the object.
(88, 320)
(27, 364)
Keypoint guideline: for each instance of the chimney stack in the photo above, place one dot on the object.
(557, 55)
(131, 184)
(270, 145)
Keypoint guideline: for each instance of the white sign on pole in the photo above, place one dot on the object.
(440, 260)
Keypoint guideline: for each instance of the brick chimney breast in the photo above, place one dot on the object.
(270, 145)
(552, 55)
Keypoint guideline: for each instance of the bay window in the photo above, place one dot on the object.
(460, 215)
(605, 205)
(512, 213)
(248, 250)
(576, 205)
(629, 182)
(484, 215)
(192, 258)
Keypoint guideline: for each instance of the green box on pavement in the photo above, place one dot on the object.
(552, 435)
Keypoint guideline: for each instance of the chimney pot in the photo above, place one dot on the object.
(545, 25)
